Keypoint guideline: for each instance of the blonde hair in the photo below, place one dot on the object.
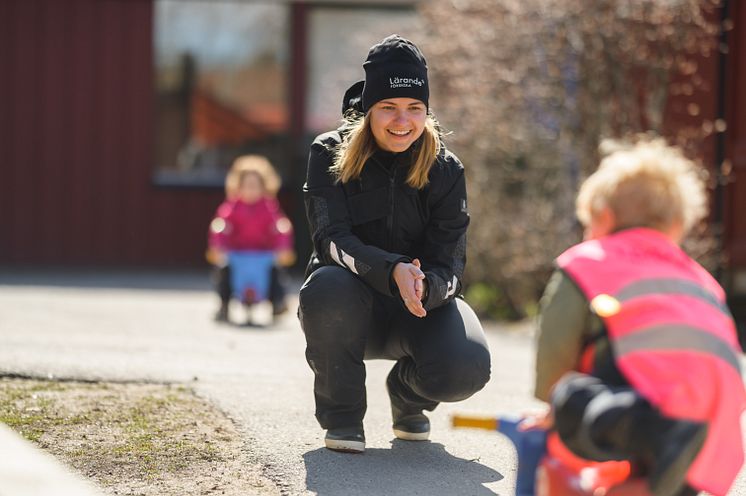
(252, 164)
(645, 184)
(359, 144)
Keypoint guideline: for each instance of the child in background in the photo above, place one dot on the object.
(250, 218)
(637, 351)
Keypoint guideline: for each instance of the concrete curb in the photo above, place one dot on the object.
(26, 470)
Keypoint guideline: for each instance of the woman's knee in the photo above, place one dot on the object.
(332, 304)
(453, 361)
(331, 288)
(457, 376)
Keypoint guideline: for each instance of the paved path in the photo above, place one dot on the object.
(156, 327)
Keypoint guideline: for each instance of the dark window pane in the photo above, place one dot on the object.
(333, 68)
(221, 69)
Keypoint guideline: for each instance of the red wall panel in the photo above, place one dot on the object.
(735, 145)
(52, 84)
(76, 133)
(23, 114)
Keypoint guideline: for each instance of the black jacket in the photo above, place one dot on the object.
(370, 224)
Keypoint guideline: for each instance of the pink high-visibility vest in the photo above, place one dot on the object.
(673, 338)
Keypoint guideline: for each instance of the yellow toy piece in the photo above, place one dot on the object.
(487, 423)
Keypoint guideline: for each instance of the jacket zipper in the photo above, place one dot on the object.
(392, 204)
(392, 209)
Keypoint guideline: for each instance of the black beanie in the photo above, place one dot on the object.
(395, 67)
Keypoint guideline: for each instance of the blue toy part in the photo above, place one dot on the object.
(250, 274)
(530, 446)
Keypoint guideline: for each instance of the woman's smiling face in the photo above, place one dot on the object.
(396, 123)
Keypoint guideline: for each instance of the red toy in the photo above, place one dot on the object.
(547, 468)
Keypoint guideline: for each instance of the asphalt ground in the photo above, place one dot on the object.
(157, 327)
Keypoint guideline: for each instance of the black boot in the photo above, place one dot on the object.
(346, 439)
(409, 423)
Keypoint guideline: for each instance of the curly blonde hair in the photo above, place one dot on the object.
(645, 183)
(252, 164)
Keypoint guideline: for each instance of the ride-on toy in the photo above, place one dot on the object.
(251, 273)
(547, 468)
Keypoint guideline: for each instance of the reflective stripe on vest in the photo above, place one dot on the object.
(677, 337)
(670, 286)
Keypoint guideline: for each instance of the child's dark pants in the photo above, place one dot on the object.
(601, 422)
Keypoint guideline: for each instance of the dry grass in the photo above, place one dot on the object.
(134, 439)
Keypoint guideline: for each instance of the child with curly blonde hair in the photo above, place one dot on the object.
(250, 218)
(637, 352)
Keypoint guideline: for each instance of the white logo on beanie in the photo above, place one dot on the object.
(405, 82)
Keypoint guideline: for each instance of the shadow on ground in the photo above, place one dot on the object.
(158, 279)
(405, 469)
(90, 278)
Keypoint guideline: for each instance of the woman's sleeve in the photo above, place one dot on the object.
(330, 224)
(444, 255)
(562, 327)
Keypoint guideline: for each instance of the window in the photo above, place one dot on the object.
(339, 38)
(221, 86)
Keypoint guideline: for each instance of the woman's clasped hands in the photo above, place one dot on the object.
(411, 282)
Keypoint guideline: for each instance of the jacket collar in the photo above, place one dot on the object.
(404, 158)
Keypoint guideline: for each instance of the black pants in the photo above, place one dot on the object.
(442, 357)
(601, 422)
(221, 277)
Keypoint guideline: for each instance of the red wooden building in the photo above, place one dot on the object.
(732, 148)
(87, 116)
(76, 141)
(89, 109)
